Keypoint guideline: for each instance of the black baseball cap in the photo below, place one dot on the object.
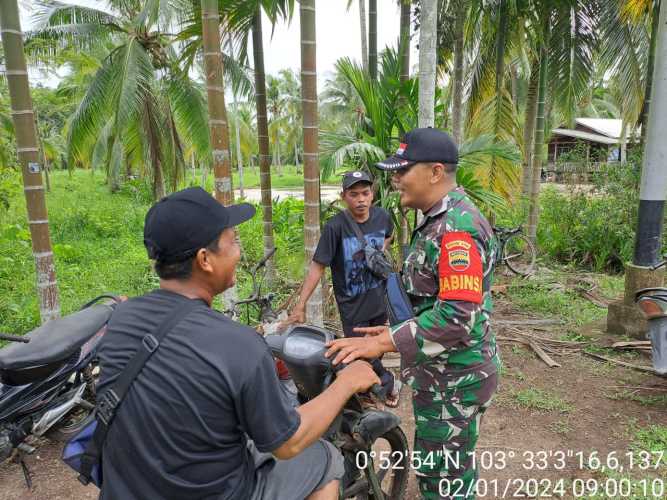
(422, 145)
(178, 225)
(351, 178)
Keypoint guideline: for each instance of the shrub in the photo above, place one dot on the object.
(593, 228)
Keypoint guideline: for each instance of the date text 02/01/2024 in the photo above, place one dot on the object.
(548, 488)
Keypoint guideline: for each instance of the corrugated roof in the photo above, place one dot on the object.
(578, 134)
(605, 126)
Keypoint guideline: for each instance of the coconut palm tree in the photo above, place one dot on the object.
(373, 38)
(457, 85)
(404, 43)
(362, 30)
(263, 142)
(28, 153)
(140, 103)
(311, 169)
(427, 62)
(629, 29)
(217, 111)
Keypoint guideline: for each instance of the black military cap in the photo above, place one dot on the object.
(422, 145)
(351, 178)
(178, 225)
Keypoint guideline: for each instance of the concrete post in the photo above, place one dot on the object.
(623, 317)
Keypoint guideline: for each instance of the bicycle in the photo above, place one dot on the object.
(516, 250)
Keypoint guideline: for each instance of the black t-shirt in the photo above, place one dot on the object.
(182, 429)
(358, 292)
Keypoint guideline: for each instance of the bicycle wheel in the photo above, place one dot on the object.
(519, 254)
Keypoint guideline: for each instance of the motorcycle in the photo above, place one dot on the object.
(373, 445)
(47, 379)
(653, 303)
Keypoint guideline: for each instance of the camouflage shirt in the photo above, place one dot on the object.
(447, 274)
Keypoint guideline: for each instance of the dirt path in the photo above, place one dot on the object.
(553, 416)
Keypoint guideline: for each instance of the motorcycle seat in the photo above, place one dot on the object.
(56, 340)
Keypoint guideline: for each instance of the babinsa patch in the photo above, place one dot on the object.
(460, 268)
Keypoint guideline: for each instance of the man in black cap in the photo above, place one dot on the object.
(206, 414)
(448, 350)
(358, 292)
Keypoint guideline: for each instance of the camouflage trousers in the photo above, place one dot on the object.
(447, 426)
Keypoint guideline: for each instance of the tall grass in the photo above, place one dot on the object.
(97, 240)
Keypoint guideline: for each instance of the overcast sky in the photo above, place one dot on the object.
(337, 34)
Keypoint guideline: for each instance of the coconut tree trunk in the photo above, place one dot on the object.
(217, 112)
(622, 153)
(534, 210)
(364, 37)
(237, 129)
(405, 40)
(529, 133)
(373, 39)
(311, 168)
(404, 77)
(457, 91)
(263, 141)
(23, 117)
(427, 62)
(501, 48)
(655, 28)
(239, 159)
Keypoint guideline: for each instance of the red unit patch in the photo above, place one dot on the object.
(460, 270)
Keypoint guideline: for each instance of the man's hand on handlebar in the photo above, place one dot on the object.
(358, 376)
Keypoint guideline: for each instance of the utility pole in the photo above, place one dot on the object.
(28, 151)
(623, 317)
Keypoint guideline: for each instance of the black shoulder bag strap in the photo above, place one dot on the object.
(111, 398)
(355, 228)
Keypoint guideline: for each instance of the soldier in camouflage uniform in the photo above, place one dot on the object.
(448, 351)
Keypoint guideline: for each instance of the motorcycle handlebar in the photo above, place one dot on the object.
(14, 338)
(376, 389)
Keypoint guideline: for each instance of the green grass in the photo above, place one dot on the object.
(288, 176)
(652, 438)
(97, 240)
(548, 295)
(537, 399)
(644, 400)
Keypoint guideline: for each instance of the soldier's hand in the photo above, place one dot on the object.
(358, 376)
(372, 331)
(354, 348)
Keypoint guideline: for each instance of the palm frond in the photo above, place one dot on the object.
(190, 111)
(57, 25)
(573, 45)
(93, 111)
(344, 148)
